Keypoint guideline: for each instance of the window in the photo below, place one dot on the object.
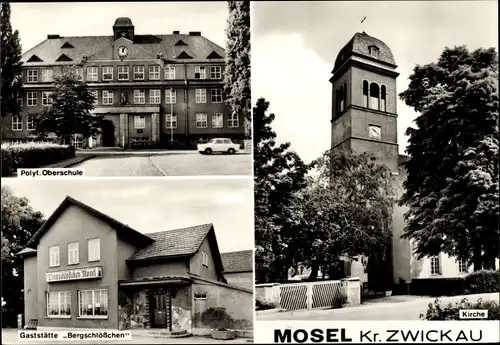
(374, 132)
(462, 266)
(201, 121)
(30, 124)
(435, 265)
(92, 74)
(107, 73)
(93, 303)
(154, 97)
(169, 72)
(201, 95)
(216, 95)
(170, 121)
(53, 256)
(77, 142)
(79, 73)
(170, 96)
(200, 72)
(32, 76)
(94, 249)
(139, 122)
(59, 304)
(47, 75)
(365, 94)
(17, 123)
(233, 121)
(374, 96)
(31, 99)
(73, 256)
(95, 93)
(138, 72)
(154, 72)
(341, 98)
(107, 97)
(200, 295)
(373, 51)
(204, 258)
(122, 72)
(383, 96)
(139, 97)
(46, 98)
(217, 120)
(215, 72)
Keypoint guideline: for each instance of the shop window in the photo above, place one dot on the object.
(93, 303)
(58, 304)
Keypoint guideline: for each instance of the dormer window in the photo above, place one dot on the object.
(374, 51)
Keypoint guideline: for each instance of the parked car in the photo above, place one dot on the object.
(223, 145)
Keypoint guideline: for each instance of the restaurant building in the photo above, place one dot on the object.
(153, 90)
(84, 269)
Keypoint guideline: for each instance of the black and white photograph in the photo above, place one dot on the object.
(171, 261)
(127, 89)
(375, 131)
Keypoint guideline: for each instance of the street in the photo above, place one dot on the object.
(404, 310)
(165, 164)
(9, 337)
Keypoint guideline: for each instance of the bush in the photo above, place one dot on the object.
(32, 155)
(438, 312)
(438, 287)
(482, 281)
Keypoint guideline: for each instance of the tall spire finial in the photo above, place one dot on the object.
(363, 25)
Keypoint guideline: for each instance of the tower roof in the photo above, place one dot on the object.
(360, 44)
(123, 22)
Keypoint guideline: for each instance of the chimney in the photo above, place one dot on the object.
(194, 33)
(52, 37)
(176, 32)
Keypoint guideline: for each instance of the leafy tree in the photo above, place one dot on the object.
(10, 57)
(452, 185)
(69, 114)
(344, 210)
(19, 223)
(278, 173)
(237, 70)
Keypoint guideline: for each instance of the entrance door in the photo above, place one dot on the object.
(108, 133)
(161, 305)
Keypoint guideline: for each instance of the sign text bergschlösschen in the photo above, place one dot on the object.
(75, 274)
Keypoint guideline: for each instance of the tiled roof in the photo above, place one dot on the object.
(173, 243)
(101, 47)
(360, 44)
(241, 261)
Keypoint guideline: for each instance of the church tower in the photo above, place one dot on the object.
(364, 114)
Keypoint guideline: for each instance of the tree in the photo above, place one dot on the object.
(278, 173)
(237, 70)
(19, 223)
(344, 211)
(11, 52)
(452, 184)
(69, 114)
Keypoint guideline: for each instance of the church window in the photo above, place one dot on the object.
(374, 96)
(383, 98)
(373, 51)
(365, 94)
(435, 265)
(341, 96)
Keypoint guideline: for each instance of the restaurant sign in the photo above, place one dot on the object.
(75, 274)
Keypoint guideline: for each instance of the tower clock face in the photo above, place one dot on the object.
(122, 51)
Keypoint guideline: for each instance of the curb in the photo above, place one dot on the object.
(69, 163)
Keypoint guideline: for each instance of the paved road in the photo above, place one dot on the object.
(189, 164)
(9, 337)
(405, 310)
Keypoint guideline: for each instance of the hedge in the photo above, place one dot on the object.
(438, 312)
(482, 281)
(32, 155)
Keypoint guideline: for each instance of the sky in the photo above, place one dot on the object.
(151, 205)
(294, 46)
(37, 20)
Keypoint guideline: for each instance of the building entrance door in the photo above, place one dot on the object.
(161, 305)
(108, 133)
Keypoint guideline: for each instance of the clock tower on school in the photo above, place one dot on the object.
(364, 115)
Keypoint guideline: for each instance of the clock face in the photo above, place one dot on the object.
(375, 132)
(122, 51)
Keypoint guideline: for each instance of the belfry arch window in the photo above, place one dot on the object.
(365, 94)
(341, 98)
(383, 98)
(374, 96)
